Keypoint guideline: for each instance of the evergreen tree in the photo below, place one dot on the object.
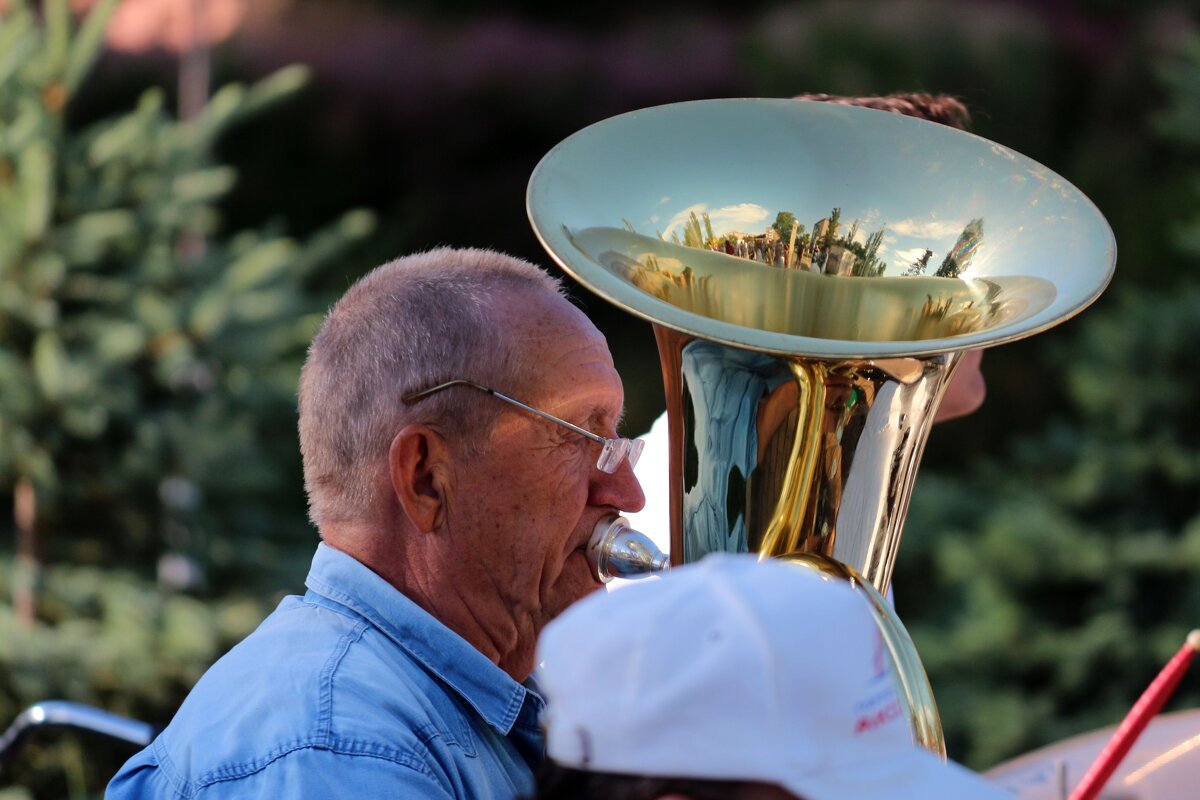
(831, 233)
(148, 366)
(147, 363)
(692, 235)
(919, 266)
(870, 265)
(850, 240)
(1046, 589)
(1049, 585)
(710, 240)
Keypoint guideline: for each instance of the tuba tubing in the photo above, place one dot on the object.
(807, 459)
(779, 455)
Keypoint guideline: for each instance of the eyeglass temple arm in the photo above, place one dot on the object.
(431, 390)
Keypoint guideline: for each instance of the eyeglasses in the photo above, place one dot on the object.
(613, 452)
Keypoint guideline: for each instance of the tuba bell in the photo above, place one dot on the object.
(803, 366)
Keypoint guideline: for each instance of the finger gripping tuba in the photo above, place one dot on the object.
(813, 273)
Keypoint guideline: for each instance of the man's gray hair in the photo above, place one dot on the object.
(405, 326)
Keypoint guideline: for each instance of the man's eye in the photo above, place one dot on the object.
(565, 438)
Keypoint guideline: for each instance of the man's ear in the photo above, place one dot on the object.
(419, 468)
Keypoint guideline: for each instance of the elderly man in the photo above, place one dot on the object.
(453, 519)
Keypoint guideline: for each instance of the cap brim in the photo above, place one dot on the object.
(918, 775)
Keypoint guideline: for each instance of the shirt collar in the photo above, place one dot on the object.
(488, 689)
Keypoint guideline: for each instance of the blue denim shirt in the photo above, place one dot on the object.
(351, 691)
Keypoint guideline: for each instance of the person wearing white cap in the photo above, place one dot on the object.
(731, 679)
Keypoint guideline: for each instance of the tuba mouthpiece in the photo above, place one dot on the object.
(618, 551)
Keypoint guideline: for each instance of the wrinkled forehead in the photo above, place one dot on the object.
(564, 356)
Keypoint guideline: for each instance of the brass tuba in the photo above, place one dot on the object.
(803, 365)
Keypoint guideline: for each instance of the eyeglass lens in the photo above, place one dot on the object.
(617, 450)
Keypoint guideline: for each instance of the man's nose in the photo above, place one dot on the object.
(621, 489)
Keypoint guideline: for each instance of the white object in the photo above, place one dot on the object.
(735, 669)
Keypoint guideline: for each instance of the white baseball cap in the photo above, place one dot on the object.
(735, 669)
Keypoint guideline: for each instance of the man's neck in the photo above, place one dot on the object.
(419, 572)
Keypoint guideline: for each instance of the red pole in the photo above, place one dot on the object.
(1149, 704)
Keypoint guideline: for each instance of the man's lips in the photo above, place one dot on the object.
(587, 536)
(581, 551)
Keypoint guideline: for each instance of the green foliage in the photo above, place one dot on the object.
(1046, 587)
(710, 238)
(1037, 624)
(831, 233)
(870, 265)
(148, 367)
(114, 640)
(783, 224)
(148, 364)
(1179, 124)
(147, 370)
(693, 234)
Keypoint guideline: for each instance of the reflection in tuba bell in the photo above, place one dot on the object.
(803, 366)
